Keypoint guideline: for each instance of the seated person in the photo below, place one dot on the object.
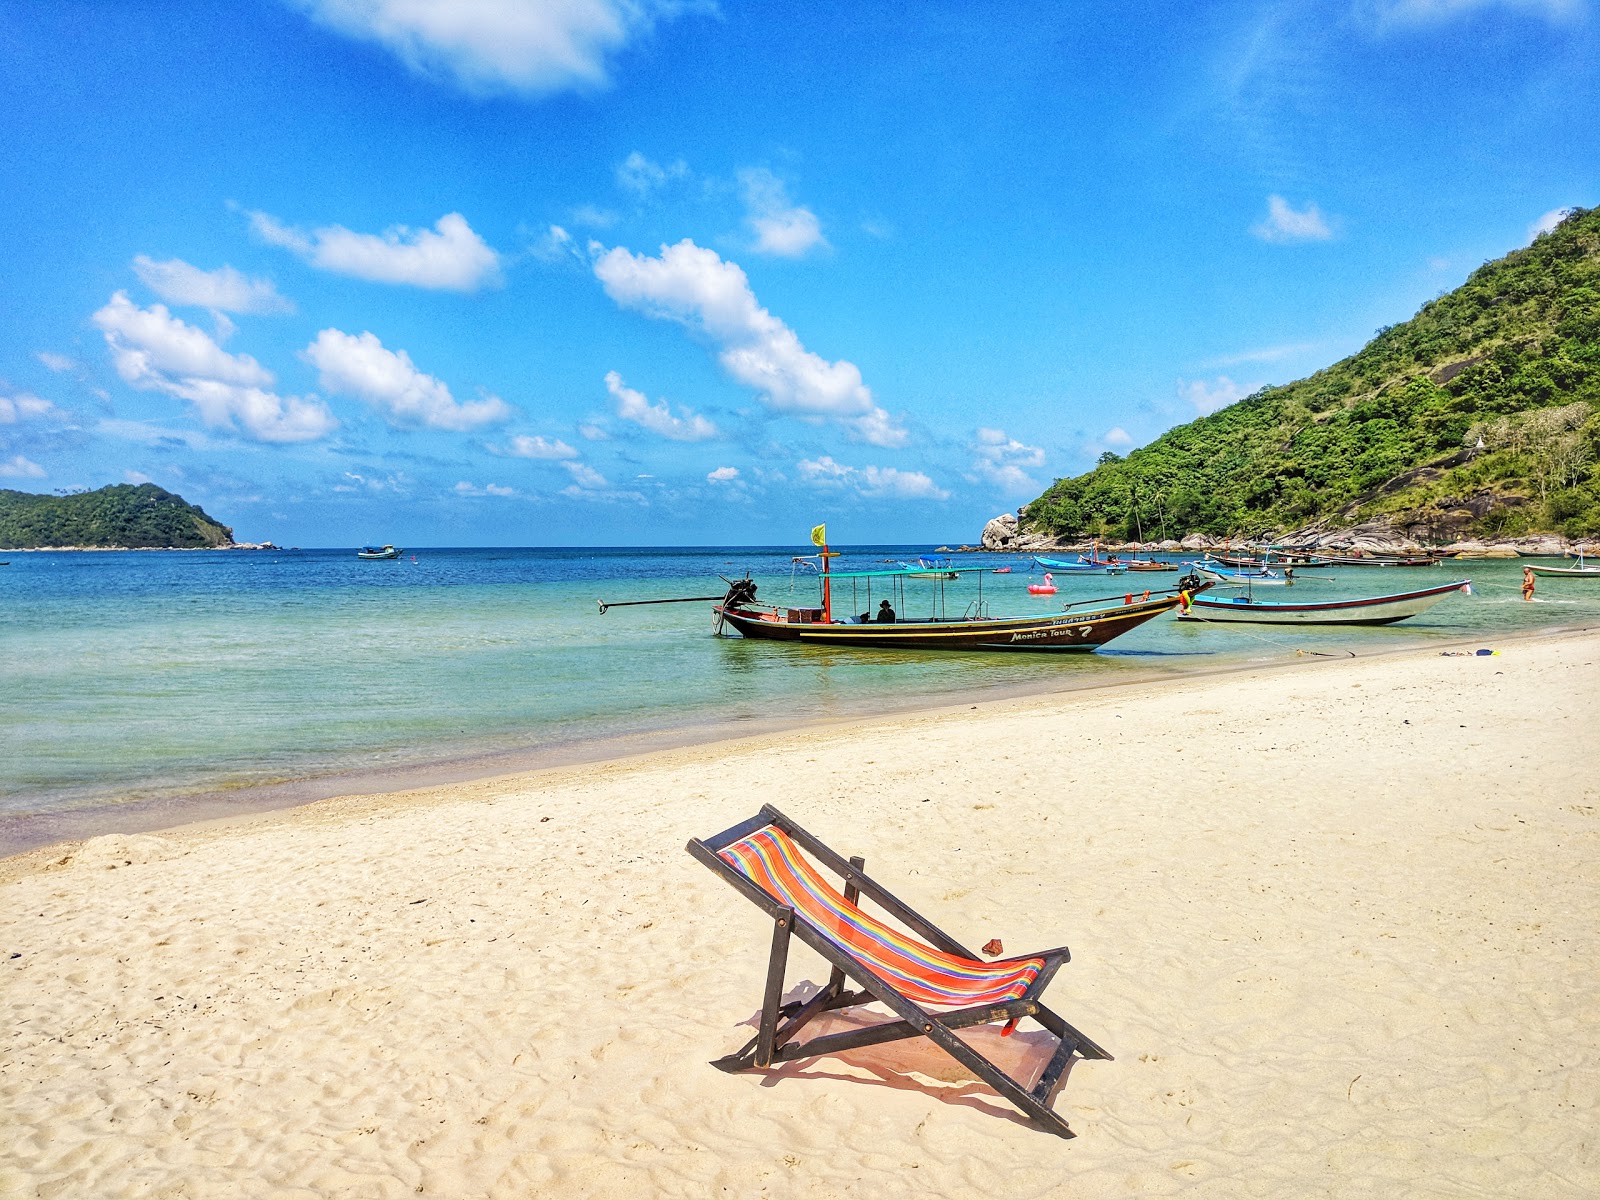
(885, 613)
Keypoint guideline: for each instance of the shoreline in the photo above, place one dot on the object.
(1336, 926)
(20, 836)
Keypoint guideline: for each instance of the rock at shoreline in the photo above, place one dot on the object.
(1378, 539)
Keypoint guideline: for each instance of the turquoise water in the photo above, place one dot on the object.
(138, 688)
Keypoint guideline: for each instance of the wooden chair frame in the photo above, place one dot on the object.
(781, 1022)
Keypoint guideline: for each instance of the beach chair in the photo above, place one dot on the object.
(933, 984)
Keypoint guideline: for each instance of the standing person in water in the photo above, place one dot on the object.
(1527, 583)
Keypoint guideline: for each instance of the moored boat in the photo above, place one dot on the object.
(374, 553)
(1581, 571)
(1076, 628)
(1084, 565)
(1255, 578)
(1371, 610)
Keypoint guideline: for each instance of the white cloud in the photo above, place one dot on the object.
(641, 176)
(1208, 397)
(1412, 13)
(700, 291)
(148, 434)
(870, 481)
(155, 351)
(389, 381)
(489, 489)
(557, 245)
(594, 432)
(224, 290)
(657, 418)
(1547, 222)
(499, 46)
(17, 467)
(585, 476)
(398, 483)
(56, 362)
(1001, 460)
(1117, 438)
(723, 475)
(136, 477)
(23, 406)
(538, 446)
(1285, 224)
(450, 257)
(781, 228)
(149, 342)
(592, 217)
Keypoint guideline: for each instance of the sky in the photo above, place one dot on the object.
(701, 272)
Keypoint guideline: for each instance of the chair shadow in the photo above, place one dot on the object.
(917, 1064)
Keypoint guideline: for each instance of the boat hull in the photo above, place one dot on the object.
(1055, 633)
(1568, 572)
(1376, 610)
(1256, 579)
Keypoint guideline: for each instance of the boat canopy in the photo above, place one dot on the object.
(905, 572)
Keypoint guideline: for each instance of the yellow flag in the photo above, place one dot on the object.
(819, 536)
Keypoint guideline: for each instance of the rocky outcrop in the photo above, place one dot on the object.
(1379, 537)
(1005, 533)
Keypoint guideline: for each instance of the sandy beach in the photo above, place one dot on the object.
(1335, 920)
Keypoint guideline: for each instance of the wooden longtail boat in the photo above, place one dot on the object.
(1252, 576)
(1272, 560)
(1568, 572)
(1076, 628)
(1578, 572)
(1373, 610)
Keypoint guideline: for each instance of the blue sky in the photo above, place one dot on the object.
(486, 272)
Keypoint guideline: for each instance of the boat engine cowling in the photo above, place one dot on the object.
(740, 593)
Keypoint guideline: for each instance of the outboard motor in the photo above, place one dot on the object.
(740, 593)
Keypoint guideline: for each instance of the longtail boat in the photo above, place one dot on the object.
(1254, 576)
(1083, 626)
(1272, 559)
(1082, 565)
(1373, 610)
(1075, 628)
(1578, 572)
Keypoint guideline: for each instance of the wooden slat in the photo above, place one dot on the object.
(1050, 1082)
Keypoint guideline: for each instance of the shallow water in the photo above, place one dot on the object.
(184, 683)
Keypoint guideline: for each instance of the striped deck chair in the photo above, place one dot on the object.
(932, 983)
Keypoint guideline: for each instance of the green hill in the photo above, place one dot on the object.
(123, 515)
(1479, 417)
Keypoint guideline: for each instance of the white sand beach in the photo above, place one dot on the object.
(1336, 921)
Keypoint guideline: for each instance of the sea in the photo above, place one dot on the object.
(145, 689)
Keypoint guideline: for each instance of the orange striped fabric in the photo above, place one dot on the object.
(930, 977)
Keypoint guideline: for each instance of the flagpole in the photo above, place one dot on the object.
(827, 587)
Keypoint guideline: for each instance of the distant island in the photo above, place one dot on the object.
(1479, 418)
(123, 516)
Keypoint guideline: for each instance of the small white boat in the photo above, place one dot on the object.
(377, 552)
(1262, 578)
(1373, 610)
(1581, 571)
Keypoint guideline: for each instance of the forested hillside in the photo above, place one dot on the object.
(1479, 417)
(124, 515)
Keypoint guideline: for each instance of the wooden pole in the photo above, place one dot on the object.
(827, 587)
